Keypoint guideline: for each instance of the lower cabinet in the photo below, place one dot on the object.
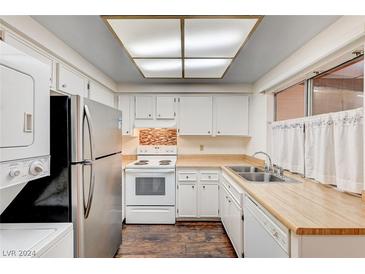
(231, 215)
(197, 193)
(187, 200)
(208, 205)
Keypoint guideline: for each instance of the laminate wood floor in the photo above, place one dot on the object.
(182, 240)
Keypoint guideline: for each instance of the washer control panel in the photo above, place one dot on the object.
(21, 171)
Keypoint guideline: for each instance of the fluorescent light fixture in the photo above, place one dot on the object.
(182, 46)
(221, 38)
(149, 37)
(206, 68)
(160, 68)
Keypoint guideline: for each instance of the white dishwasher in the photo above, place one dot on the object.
(264, 236)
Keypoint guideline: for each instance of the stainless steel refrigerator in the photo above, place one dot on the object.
(85, 182)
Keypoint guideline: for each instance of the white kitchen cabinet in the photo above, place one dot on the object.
(144, 107)
(197, 193)
(165, 107)
(125, 104)
(195, 115)
(223, 206)
(231, 115)
(69, 81)
(101, 94)
(208, 202)
(187, 200)
(231, 212)
(236, 225)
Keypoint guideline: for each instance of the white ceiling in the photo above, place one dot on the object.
(274, 39)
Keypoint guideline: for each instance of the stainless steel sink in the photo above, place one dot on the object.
(239, 169)
(260, 177)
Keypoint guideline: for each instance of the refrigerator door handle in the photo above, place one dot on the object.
(87, 206)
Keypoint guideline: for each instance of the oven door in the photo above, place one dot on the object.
(145, 187)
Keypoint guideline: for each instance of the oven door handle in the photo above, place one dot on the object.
(141, 170)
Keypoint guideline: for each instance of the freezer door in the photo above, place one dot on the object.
(106, 128)
(101, 229)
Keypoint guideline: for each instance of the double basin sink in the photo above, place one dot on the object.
(257, 175)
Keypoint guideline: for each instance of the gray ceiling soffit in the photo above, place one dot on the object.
(275, 39)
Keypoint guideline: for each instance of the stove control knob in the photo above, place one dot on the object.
(14, 172)
(36, 168)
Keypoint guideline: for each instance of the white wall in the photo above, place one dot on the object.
(184, 88)
(260, 114)
(191, 145)
(343, 32)
(212, 145)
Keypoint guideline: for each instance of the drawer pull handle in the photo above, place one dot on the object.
(203, 187)
(64, 85)
(192, 187)
(187, 177)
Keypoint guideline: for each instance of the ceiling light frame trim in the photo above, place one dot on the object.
(182, 18)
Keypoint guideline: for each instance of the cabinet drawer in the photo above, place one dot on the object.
(232, 189)
(209, 176)
(187, 176)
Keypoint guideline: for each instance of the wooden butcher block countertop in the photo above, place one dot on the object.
(306, 208)
(127, 159)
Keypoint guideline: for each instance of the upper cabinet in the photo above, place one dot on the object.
(144, 107)
(101, 94)
(125, 104)
(154, 111)
(195, 115)
(69, 81)
(210, 115)
(165, 107)
(231, 115)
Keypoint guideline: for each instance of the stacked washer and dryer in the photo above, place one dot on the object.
(25, 153)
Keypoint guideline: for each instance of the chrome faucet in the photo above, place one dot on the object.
(268, 166)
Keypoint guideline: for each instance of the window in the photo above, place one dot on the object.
(289, 103)
(340, 88)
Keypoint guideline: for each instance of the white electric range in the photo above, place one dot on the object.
(150, 186)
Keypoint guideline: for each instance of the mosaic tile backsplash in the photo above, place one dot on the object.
(158, 136)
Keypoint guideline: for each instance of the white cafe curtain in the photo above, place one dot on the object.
(348, 149)
(288, 144)
(319, 149)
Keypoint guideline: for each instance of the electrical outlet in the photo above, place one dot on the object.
(201, 147)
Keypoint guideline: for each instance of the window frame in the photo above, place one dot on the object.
(305, 99)
(308, 88)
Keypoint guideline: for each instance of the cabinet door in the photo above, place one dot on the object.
(70, 82)
(187, 200)
(231, 115)
(165, 107)
(125, 105)
(208, 200)
(236, 226)
(195, 115)
(101, 94)
(224, 207)
(144, 107)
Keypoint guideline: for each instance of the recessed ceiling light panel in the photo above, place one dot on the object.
(145, 38)
(221, 38)
(182, 46)
(160, 68)
(206, 68)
